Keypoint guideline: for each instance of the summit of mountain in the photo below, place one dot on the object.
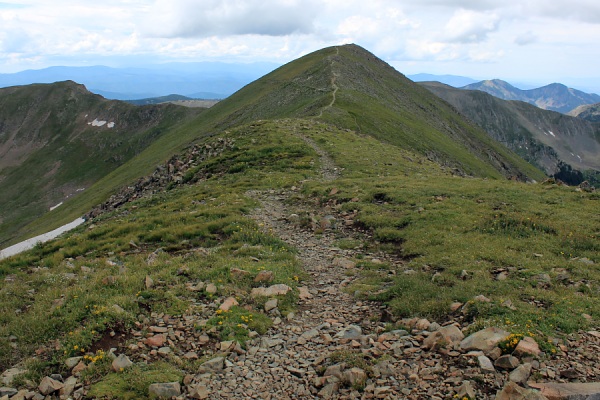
(555, 96)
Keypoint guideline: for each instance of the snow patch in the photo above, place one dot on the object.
(30, 243)
(552, 133)
(97, 122)
(80, 190)
(56, 206)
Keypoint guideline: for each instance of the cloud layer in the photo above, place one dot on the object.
(468, 37)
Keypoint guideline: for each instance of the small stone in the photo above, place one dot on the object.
(211, 288)
(8, 392)
(484, 340)
(239, 273)
(264, 276)
(527, 346)
(163, 351)
(271, 305)
(191, 355)
(228, 303)
(512, 391)
(486, 364)
(69, 387)
(275, 290)
(49, 385)
(304, 294)
(351, 332)
(455, 306)
(215, 365)
(329, 390)
(568, 390)
(199, 392)
(156, 340)
(343, 263)
(466, 390)
(507, 362)
(72, 362)
(422, 324)
(165, 390)
(121, 362)
(355, 377)
(78, 368)
(520, 374)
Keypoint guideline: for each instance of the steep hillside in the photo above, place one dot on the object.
(589, 112)
(555, 97)
(546, 139)
(56, 140)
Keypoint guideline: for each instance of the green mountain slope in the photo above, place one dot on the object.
(56, 140)
(547, 139)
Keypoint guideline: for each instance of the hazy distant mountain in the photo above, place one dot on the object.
(589, 112)
(452, 80)
(555, 97)
(195, 80)
(552, 141)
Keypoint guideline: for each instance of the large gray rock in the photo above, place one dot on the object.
(49, 385)
(6, 391)
(121, 362)
(521, 374)
(274, 290)
(569, 391)
(215, 365)
(512, 391)
(484, 340)
(165, 390)
(351, 332)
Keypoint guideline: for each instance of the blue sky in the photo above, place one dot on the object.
(533, 41)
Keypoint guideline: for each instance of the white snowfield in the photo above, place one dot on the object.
(96, 122)
(30, 243)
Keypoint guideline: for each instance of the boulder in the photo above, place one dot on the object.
(121, 362)
(568, 391)
(274, 290)
(484, 340)
(228, 303)
(49, 385)
(527, 346)
(512, 391)
(165, 390)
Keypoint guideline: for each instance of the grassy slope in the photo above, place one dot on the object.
(411, 207)
(62, 153)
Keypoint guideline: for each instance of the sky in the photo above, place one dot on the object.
(536, 42)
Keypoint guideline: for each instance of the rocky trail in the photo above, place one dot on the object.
(334, 346)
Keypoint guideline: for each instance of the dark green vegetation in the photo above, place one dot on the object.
(50, 148)
(554, 142)
(555, 97)
(427, 186)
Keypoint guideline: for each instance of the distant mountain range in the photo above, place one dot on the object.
(205, 80)
(555, 97)
(554, 142)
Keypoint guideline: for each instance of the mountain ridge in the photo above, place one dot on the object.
(548, 139)
(555, 96)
